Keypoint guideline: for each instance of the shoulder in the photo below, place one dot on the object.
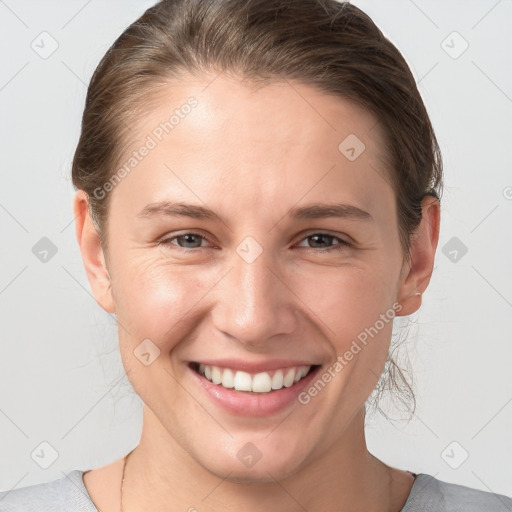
(66, 494)
(428, 493)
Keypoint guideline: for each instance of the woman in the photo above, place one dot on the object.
(257, 198)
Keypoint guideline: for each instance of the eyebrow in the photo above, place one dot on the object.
(312, 211)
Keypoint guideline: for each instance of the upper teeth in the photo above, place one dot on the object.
(259, 383)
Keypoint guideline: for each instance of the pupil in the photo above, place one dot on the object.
(190, 239)
(316, 237)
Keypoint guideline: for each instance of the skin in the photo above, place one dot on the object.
(251, 155)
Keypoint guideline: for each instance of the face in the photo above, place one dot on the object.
(244, 267)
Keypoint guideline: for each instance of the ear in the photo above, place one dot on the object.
(92, 253)
(416, 272)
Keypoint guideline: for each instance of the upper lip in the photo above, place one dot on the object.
(255, 367)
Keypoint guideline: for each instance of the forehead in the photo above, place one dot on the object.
(276, 142)
(280, 116)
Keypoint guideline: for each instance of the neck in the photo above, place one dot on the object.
(161, 475)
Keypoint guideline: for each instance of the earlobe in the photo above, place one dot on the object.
(417, 272)
(92, 253)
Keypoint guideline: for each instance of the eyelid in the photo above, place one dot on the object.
(167, 240)
(339, 236)
(342, 242)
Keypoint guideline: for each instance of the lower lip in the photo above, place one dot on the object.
(253, 404)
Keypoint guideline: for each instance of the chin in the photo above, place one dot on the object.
(269, 474)
(251, 466)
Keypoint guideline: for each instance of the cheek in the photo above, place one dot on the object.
(156, 299)
(347, 300)
(354, 308)
(156, 303)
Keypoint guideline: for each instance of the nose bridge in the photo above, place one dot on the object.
(254, 303)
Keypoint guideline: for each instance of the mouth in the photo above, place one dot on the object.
(252, 389)
(265, 382)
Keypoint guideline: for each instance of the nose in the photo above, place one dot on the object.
(256, 302)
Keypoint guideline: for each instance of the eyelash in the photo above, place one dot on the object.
(342, 245)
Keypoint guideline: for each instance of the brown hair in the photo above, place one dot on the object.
(331, 45)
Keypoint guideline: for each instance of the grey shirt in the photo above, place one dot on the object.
(428, 494)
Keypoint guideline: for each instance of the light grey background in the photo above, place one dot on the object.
(61, 378)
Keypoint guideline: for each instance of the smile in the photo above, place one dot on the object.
(252, 389)
(263, 382)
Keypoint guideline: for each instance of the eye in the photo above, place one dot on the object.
(320, 240)
(191, 240)
(186, 241)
